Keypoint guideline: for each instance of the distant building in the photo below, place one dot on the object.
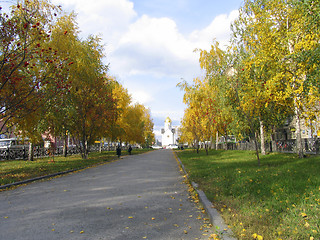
(288, 130)
(169, 133)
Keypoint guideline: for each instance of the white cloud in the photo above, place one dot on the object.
(219, 29)
(140, 96)
(175, 115)
(140, 46)
(107, 17)
(153, 45)
(146, 45)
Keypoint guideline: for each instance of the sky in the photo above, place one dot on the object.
(150, 44)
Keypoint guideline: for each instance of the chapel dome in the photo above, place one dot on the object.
(168, 120)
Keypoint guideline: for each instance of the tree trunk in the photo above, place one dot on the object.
(197, 146)
(257, 148)
(225, 144)
(84, 148)
(100, 147)
(263, 146)
(299, 146)
(206, 145)
(65, 146)
(217, 140)
(211, 143)
(30, 153)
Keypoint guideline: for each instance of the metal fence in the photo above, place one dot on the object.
(39, 152)
(311, 146)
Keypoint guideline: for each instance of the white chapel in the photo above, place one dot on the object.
(169, 133)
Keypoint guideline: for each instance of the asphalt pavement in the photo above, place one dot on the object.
(138, 197)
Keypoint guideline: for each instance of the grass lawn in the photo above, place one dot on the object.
(15, 171)
(278, 200)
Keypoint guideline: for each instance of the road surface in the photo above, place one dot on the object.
(138, 197)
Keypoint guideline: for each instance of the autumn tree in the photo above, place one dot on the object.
(308, 57)
(56, 119)
(26, 61)
(268, 38)
(218, 73)
(139, 125)
(90, 94)
(118, 125)
(200, 119)
(298, 65)
(148, 134)
(255, 44)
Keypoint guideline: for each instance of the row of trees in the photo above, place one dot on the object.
(54, 83)
(269, 72)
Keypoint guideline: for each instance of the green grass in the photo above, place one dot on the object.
(15, 171)
(278, 200)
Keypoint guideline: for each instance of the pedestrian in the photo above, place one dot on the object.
(119, 151)
(129, 149)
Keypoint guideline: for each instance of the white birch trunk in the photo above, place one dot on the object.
(263, 146)
(299, 147)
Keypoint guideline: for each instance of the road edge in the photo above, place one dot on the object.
(215, 218)
(10, 185)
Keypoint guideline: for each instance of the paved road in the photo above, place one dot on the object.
(138, 197)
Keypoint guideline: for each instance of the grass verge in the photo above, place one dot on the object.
(278, 200)
(15, 171)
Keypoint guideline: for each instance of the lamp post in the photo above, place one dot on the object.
(173, 132)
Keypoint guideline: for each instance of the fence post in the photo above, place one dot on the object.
(24, 153)
(306, 145)
(8, 154)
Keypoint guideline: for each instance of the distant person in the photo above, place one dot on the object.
(119, 151)
(129, 149)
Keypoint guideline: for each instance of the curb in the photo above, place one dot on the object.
(37, 178)
(2, 187)
(215, 218)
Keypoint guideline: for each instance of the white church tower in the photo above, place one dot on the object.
(168, 133)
